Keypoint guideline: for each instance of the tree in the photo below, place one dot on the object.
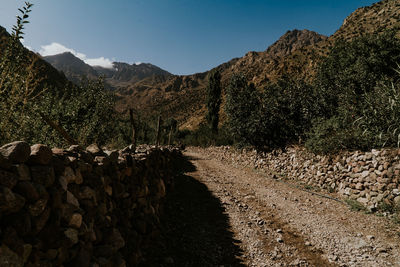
(243, 110)
(213, 100)
(357, 107)
(353, 69)
(17, 84)
(286, 111)
(32, 111)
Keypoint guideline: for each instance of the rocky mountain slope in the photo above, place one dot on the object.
(154, 91)
(296, 54)
(371, 19)
(71, 66)
(120, 77)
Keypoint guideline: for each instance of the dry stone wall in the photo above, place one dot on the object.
(371, 178)
(80, 207)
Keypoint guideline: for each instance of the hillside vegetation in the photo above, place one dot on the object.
(297, 54)
(330, 93)
(39, 105)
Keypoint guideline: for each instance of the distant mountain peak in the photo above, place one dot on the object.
(73, 67)
(121, 73)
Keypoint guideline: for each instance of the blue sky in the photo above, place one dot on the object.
(180, 36)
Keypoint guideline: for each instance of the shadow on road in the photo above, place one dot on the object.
(195, 228)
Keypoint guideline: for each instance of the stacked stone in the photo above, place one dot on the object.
(80, 207)
(371, 178)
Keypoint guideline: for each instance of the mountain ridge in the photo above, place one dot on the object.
(118, 77)
(296, 54)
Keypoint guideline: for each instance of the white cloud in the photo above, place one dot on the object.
(101, 61)
(56, 48)
(138, 63)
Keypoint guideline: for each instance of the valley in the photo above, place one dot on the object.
(287, 156)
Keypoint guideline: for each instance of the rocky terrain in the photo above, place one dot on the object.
(81, 207)
(296, 54)
(270, 222)
(226, 208)
(370, 178)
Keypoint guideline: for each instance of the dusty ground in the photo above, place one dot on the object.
(221, 215)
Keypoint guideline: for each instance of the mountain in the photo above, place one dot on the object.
(296, 54)
(183, 97)
(120, 78)
(153, 91)
(124, 75)
(294, 40)
(73, 67)
(371, 19)
(47, 75)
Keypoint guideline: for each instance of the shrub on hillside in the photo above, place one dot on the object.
(273, 117)
(380, 116)
(204, 137)
(286, 111)
(243, 105)
(332, 135)
(213, 100)
(357, 105)
(85, 112)
(353, 69)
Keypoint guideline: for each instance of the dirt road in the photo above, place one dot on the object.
(221, 215)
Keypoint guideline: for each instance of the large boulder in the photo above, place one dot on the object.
(40, 154)
(16, 152)
(95, 150)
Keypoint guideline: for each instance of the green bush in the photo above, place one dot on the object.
(204, 136)
(273, 117)
(243, 109)
(332, 135)
(213, 100)
(353, 69)
(380, 116)
(357, 96)
(85, 112)
(286, 112)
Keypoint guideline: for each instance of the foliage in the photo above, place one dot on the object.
(353, 69)
(213, 100)
(286, 111)
(86, 112)
(354, 205)
(204, 137)
(379, 120)
(357, 101)
(332, 135)
(273, 117)
(17, 85)
(243, 109)
(22, 20)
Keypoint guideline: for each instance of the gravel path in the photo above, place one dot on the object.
(224, 215)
